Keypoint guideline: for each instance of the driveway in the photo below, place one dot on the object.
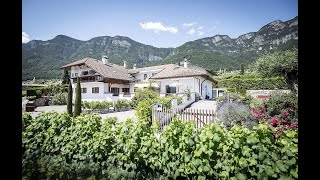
(204, 104)
(122, 116)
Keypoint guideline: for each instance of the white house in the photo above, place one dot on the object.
(102, 80)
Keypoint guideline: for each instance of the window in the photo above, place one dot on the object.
(84, 90)
(145, 77)
(75, 74)
(95, 90)
(115, 91)
(125, 90)
(72, 74)
(85, 73)
(154, 74)
(170, 89)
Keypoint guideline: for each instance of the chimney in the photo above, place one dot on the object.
(125, 64)
(134, 66)
(104, 59)
(185, 63)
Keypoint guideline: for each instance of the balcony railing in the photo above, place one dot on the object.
(89, 78)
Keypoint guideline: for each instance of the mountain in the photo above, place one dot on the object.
(43, 59)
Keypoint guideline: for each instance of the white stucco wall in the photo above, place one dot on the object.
(103, 94)
(140, 75)
(190, 82)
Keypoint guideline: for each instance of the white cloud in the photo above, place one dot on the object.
(25, 37)
(196, 31)
(200, 33)
(157, 26)
(200, 27)
(188, 24)
(191, 31)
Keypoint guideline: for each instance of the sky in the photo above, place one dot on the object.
(160, 23)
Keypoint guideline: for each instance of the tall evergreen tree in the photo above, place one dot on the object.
(65, 79)
(242, 69)
(69, 103)
(77, 103)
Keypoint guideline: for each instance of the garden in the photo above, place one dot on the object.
(249, 140)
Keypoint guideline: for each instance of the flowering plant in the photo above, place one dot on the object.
(278, 123)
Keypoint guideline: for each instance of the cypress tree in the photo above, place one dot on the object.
(69, 103)
(77, 103)
(242, 69)
(65, 79)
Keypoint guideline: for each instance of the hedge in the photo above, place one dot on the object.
(253, 83)
(61, 147)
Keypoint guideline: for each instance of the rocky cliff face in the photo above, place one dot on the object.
(43, 59)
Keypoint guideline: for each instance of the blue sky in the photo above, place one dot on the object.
(160, 23)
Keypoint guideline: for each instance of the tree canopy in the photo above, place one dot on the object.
(282, 63)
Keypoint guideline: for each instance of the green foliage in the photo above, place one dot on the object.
(60, 99)
(31, 98)
(61, 147)
(279, 102)
(234, 97)
(142, 94)
(53, 89)
(77, 104)
(65, 79)
(235, 113)
(69, 102)
(24, 93)
(36, 91)
(253, 83)
(242, 69)
(122, 104)
(282, 63)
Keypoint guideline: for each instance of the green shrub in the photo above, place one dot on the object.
(60, 99)
(142, 94)
(235, 97)
(235, 113)
(279, 102)
(61, 147)
(35, 92)
(31, 98)
(24, 93)
(231, 90)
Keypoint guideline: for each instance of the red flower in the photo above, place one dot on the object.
(274, 122)
(261, 108)
(284, 114)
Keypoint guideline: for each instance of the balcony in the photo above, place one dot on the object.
(88, 78)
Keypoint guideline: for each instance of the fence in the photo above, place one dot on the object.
(165, 116)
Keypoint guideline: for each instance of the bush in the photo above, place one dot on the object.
(24, 93)
(235, 97)
(142, 94)
(35, 92)
(61, 147)
(60, 99)
(31, 98)
(235, 113)
(279, 102)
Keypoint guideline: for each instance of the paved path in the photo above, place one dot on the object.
(122, 116)
(204, 104)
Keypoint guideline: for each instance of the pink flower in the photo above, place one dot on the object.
(284, 114)
(254, 110)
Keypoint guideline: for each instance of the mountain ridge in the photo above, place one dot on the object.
(43, 59)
